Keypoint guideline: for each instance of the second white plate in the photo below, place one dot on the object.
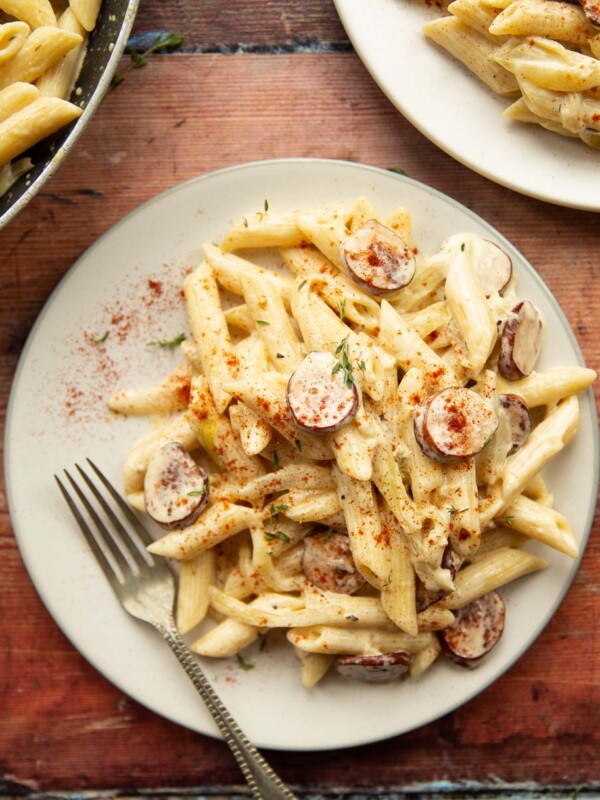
(459, 114)
(92, 338)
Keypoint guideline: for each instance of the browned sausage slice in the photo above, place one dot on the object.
(493, 267)
(327, 562)
(374, 669)
(591, 9)
(378, 259)
(175, 487)
(519, 418)
(477, 630)
(454, 424)
(520, 342)
(321, 396)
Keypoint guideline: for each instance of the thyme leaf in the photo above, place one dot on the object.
(164, 41)
(170, 343)
(344, 363)
(274, 510)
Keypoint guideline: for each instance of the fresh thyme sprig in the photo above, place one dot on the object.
(164, 41)
(344, 363)
(454, 511)
(272, 535)
(274, 510)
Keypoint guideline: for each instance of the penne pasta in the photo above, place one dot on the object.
(373, 472)
(545, 53)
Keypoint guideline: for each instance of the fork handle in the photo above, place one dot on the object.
(263, 781)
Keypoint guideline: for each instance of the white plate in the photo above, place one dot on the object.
(50, 426)
(461, 115)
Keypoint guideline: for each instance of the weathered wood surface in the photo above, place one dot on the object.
(246, 24)
(63, 726)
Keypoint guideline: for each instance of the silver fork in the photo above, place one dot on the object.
(145, 586)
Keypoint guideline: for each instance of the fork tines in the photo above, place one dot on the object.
(120, 552)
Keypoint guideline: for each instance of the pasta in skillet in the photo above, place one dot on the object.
(41, 50)
(544, 54)
(359, 458)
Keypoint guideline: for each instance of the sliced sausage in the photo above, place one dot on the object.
(477, 630)
(591, 9)
(454, 424)
(321, 394)
(520, 342)
(175, 487)
(519, 419)
(493, 267)
(378, 259)
(327, 562)
(374, 669)
(427, 597)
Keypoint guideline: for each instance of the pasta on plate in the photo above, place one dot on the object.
(543, 54)
(42, 45)
(352, 448)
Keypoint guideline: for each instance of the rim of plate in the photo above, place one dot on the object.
(450, 150)
(205, 178)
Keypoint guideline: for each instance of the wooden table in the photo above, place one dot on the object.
(258, 80)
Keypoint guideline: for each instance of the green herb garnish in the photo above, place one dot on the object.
(342, 308)
(170, 343)
(298, 444)
(454, 511)
(270, 536)
(274, 510)
(352, 618)
(245, 665)
(276, 463)
(164, 41)
(102, 339)
(280, 355)
(137, 59)
(397, 170)
(262, 322)
(344, 363)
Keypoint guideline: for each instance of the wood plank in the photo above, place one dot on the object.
(214, 25)
(63, 725)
